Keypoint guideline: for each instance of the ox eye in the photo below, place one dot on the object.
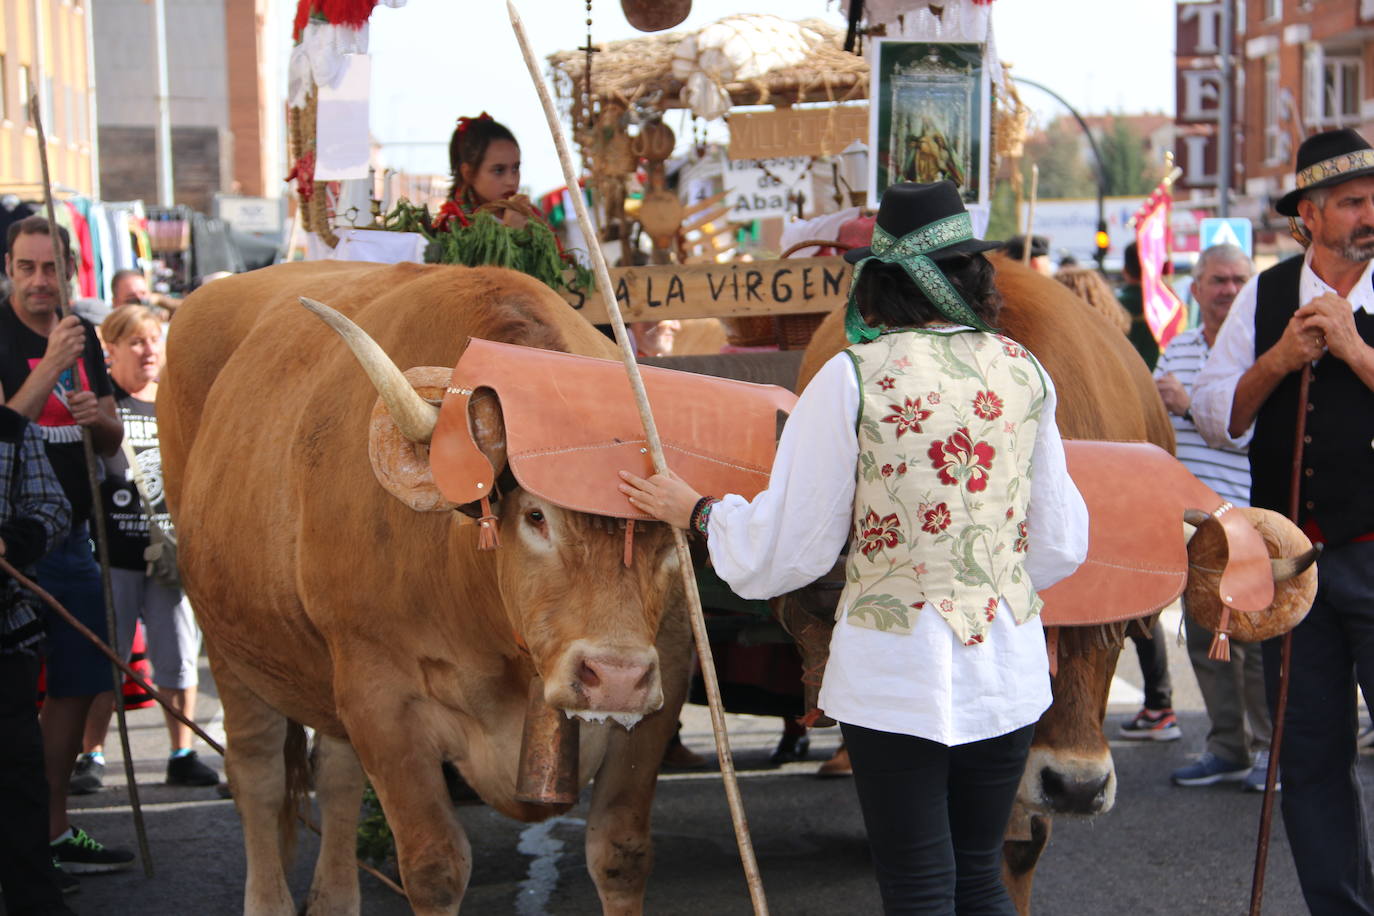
(535, 517)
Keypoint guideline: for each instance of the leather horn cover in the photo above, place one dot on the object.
(655, 15)
(572, 425)
(1137, 561)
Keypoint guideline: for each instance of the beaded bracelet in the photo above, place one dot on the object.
(701, 516)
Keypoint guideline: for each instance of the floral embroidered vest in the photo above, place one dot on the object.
(947, 428)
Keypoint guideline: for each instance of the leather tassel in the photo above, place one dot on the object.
(629, 542)
(488, 535)
(1221, 643)
(1052, 648)
(812, 718)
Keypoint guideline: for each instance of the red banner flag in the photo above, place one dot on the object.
(1164, 311)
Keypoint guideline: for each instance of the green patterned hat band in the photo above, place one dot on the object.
(912, 253)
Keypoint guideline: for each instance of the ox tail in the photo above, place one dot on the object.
(295, 750)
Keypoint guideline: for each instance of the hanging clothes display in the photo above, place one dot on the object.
(82, 252)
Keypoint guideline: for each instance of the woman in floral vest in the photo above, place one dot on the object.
(929, 446)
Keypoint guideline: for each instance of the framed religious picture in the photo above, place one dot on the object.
(929, 116)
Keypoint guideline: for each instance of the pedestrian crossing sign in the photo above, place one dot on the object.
(1232, 231)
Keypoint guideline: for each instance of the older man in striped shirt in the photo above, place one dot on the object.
(1232, 691)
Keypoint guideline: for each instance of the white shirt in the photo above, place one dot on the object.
(1233, 353)
(924, 683)
(1225, 470)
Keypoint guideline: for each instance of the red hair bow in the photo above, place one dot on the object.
(465, 122)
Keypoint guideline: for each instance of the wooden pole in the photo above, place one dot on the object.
(1030, 216)
(93, 479)
(603, 282)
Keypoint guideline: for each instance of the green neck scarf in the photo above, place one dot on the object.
(911, 252)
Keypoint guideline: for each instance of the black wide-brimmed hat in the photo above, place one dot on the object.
(907, 206)
(1329, 158)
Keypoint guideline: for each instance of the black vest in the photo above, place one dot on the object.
(1337, 484)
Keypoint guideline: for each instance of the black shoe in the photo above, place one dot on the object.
(79, 854)
(87, 776)
(790, 749)
(187, 770)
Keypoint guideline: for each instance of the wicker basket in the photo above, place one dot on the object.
(794, 332)
(750, 331)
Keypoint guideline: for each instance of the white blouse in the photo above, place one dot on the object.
(924, 683)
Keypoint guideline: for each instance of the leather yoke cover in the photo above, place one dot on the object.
(571, 425)
(1137, 561)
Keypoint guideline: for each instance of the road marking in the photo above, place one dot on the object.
(537, 840)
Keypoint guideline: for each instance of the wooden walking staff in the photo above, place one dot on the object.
(1030, 217)
(1271, 774)
(603, 283)
(93, 479)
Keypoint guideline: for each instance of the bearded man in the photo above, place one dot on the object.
(1315, 310)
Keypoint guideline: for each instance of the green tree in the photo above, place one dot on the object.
(1127, 170)
(1064, 170)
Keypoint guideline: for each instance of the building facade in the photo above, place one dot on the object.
(1298, 67)
(45, 47)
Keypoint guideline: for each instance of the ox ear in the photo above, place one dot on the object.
(487, 425)
(400, 463)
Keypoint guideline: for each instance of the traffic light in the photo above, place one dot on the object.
(1103, 243)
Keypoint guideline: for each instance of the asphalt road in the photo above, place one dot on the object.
(1162, 850)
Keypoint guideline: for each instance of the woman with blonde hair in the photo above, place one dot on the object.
(133, 339)
(1092, 289)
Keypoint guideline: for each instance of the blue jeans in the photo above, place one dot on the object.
(1333, 649)
(936, 816)
(69, 572)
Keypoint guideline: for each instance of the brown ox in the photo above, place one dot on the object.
(1105, 392)
(327, 601)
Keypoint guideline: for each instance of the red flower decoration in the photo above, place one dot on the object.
(887, 470)
(933, 398)
(876, 533)
(450, 210)
(936, 518)
(991, 610)
(1022, 529)
(974, 640)
(1013, 349)
(959, 457)
(887, 383)
(947, 606)
(987, 405)
(901, 469)
(909, 416)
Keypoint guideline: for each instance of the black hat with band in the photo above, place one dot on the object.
(1329, 158)
(918, 226)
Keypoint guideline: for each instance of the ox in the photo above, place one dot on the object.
(330, 602)
(1105, 392)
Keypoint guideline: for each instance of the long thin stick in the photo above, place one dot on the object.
(1271, 774)
(153, 692)
(1030, 216)
(93, 480)
(603, 282)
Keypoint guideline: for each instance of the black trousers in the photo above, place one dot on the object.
(936, 816)
(1333, 649)
(26, 871)
(1154, 667)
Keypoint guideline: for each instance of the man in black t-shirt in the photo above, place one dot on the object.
(53, 372)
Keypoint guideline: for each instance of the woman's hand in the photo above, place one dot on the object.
(665, 496)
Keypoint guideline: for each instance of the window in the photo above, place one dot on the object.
(1273, 9)
(1340, 92)
(1273, 133)
(25, 88)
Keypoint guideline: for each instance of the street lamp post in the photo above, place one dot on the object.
(1097, 157)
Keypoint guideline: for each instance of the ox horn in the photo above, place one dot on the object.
(413, 415)
(1286, 568)
(1195, 517)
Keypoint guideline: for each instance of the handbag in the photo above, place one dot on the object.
(161, 552)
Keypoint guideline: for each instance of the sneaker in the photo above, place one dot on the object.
(1210, 769)
(65, 882)
(187, 770)
(836, 766)
(87, 776)
(1254, 780)
(79, 854)
(1152, 725)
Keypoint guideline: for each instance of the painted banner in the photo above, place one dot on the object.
(1164, 312)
